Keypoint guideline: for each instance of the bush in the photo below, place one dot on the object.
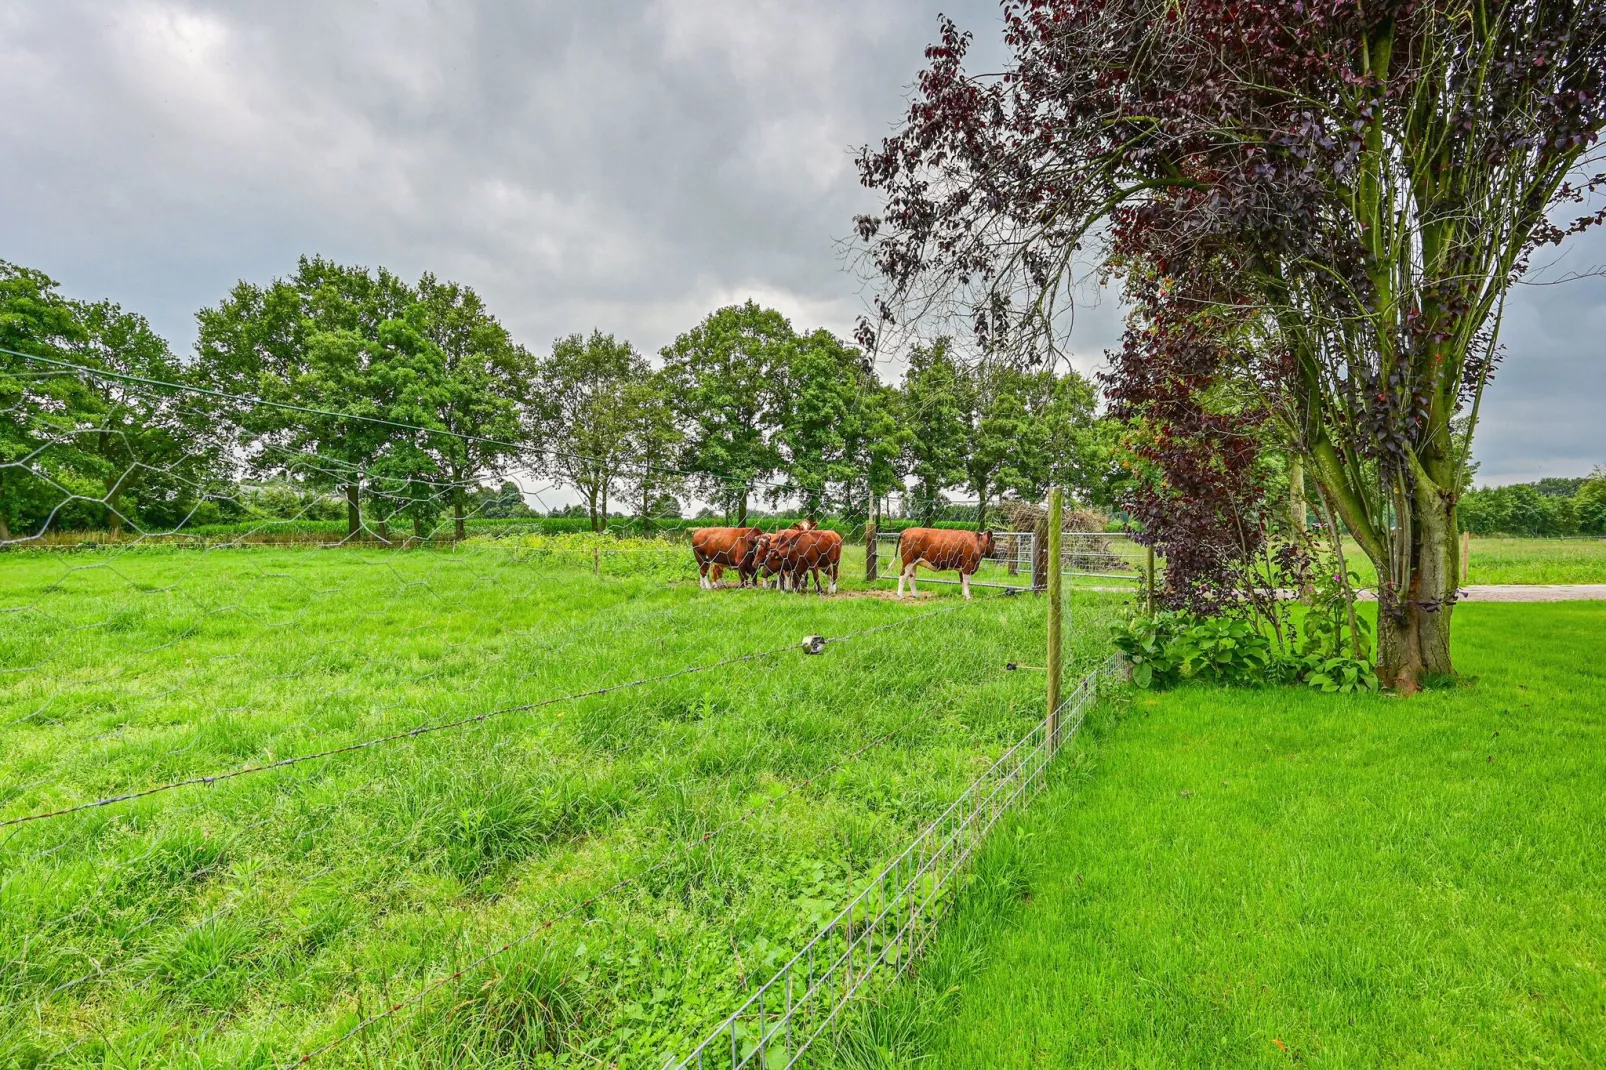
(1171, 648)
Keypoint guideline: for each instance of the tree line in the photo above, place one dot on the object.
(340, 389)
(1545, 508)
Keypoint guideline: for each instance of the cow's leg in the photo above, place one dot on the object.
(901, 573)
(702, 576)
(964, 584)
(833, 578)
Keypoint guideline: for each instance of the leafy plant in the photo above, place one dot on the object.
(1148, 644)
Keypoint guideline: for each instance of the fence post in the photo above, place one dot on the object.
(1466, 553)
(1150, 581)
(871, 565)
(1055, 605)
(1040, 555)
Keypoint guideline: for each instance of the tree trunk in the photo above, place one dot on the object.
(604, 514)
(353, 511)
(114, 519)
(1413, 623)
(457, 514)
(741, 511)
(1298, 510)
(1297, 507)
(981, 508)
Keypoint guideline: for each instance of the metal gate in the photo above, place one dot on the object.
(1103, 555)
(1008, 568)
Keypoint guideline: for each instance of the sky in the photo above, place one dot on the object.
(628, 165)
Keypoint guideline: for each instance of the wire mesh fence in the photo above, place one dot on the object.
(1103, 555)
(1009, 567)
(303, 730)
(882, 931)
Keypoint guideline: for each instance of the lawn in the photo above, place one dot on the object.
(1273, 878)
(244, 923)
(1504, 561)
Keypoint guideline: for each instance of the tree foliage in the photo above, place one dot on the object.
(728, 372)
(584, 409)
(1318, 209)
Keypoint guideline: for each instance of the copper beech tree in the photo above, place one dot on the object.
(1317, 209)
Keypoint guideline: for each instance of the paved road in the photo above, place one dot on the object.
(1533, 592)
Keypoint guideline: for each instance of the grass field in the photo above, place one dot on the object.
(1504, 561)
(244, 923)
(1265, 879)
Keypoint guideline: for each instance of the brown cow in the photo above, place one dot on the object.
(774, 550)
(717, 549)
(810, 553)
(940, 550)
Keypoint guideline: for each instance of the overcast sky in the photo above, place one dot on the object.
(623, 164)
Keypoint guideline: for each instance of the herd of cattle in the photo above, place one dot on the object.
(804, 549)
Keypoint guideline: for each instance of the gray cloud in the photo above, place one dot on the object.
(625, 164)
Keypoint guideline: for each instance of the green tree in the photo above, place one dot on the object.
(37, 402)
(876, 441)
(726, 372)
(1082, 446)
(156, 453)
(467, 380)
(1591, 503)
(655, 440)
(311, 340)
(936, 407)
(817, 409)
(1000, 437)
(583, 409)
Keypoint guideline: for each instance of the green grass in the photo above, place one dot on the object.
(1506, 561)
(241, 924)
(1274, 878)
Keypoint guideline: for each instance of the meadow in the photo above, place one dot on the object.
(1242, 878)
(249, 921)
(1497, 560)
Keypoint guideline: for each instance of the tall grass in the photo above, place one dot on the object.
(242, 924)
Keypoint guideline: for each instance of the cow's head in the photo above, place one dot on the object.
(771, 556)
(755, 551)
(805, 525)
(986, 544)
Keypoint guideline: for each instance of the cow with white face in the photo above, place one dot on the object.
(941, 550)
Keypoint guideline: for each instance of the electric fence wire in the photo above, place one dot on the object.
(624, 882)
(442, 726)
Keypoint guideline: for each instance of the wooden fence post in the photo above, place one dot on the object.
(871, 565)
(1055, 607)
(1466, 553)
(1150, 581)
(1040, 555)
